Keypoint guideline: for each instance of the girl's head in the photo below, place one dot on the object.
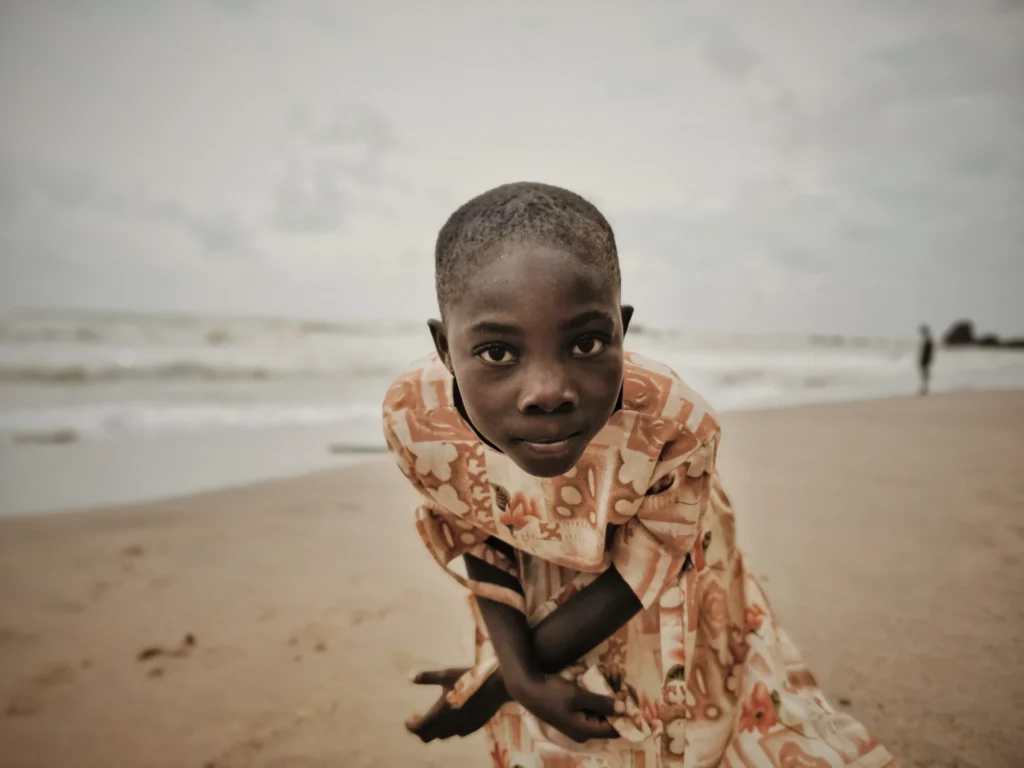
(531, 325)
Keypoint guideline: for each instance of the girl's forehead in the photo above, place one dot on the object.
(519, 271)
(536, 300)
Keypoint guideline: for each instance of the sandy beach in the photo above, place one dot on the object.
(274, 625)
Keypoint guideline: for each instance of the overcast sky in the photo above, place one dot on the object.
(831, 165)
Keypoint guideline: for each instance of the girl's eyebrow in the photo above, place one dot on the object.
(491, 326)
(586, 317)
(508, 329)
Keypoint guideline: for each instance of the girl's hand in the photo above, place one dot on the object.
(578, 713)
(443, 721)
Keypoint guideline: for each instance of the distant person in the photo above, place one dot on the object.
(924, 360)
(577, 486)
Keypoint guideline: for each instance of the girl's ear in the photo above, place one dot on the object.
(440, 337)
(627, 315)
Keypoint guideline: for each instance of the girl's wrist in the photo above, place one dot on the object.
(498, 687)
(519, 679)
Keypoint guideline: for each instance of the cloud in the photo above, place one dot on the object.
(723, 48)
(310, 199)
(334, 165)
(715, 36)
(68, 190)
(783, 167)
(220, 233)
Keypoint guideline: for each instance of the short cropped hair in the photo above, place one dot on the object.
(521, 212)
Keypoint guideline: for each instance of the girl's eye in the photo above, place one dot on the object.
(496, 355)
(587, 347)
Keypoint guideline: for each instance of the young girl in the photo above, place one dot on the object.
(575, 484)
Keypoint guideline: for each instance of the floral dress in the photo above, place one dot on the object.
(707, 675)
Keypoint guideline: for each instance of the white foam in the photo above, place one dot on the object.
(104, 377)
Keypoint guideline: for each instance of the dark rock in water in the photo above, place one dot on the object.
(960, 333)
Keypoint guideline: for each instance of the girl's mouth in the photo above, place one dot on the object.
(547, 446)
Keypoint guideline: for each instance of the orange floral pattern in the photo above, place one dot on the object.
(707, 675)
(519, 512)
(759, 711)
(754, 617)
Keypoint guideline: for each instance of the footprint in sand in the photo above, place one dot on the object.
(54, 674)
(23, 704)
(359, 617)
(66, 606)
(10, 637)
(312, 636)
(27, 700)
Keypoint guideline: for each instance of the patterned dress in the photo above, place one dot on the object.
(707, 675)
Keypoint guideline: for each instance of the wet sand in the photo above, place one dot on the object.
(273, 625)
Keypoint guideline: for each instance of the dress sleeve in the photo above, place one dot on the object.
(448, 537)
(650, 549)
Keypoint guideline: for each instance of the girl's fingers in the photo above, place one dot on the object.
(598, 704)
(420, 728)
(595, 728)
(445, 677)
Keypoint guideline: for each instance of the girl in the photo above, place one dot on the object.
(575, 485)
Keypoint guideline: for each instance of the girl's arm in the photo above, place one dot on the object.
(529, 676)
(528, 660)
(657, 539)
(579, 625)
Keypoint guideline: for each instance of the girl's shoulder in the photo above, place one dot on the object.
(421, 422)
(657, 393)
(424, 385)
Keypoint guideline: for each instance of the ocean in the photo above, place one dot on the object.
(107, 382)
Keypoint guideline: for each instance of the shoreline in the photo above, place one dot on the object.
(273, 624)
(170, 466)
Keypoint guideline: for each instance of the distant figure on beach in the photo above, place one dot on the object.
(924, 360)
(571, 488)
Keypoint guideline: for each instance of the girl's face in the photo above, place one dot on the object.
(535, 344)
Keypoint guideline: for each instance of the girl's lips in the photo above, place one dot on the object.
(548, 447)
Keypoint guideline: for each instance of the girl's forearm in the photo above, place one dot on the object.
(583, 622)
(509, 632)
